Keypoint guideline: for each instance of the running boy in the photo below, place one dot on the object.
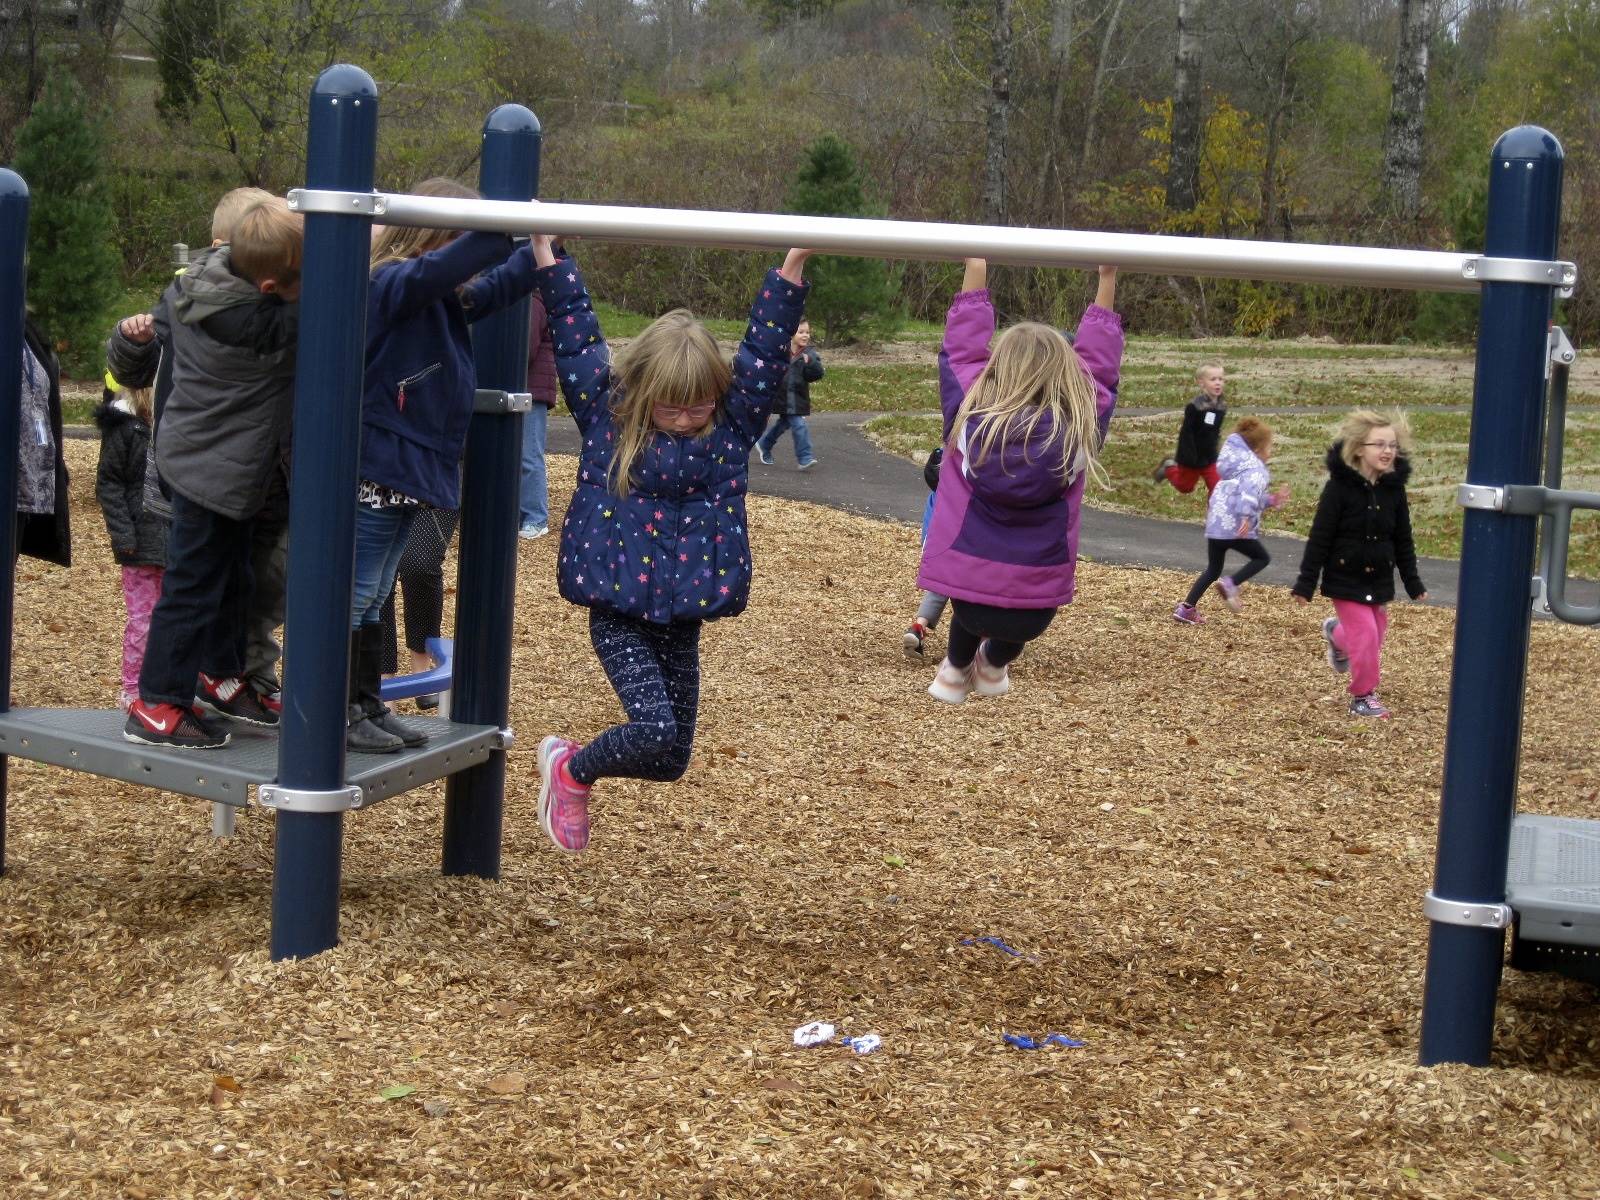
(1200, 435)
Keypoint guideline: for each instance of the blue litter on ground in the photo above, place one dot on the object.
(865, 1044)
(995, 942)
(1023, 1042)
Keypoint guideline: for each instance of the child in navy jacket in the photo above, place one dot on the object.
(654, 540)
(416, 404)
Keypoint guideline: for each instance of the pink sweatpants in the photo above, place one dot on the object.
(1360, 635)
(141, 588)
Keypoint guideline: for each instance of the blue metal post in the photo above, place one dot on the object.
(487, 573)
(341, 149)
(1482, 741)
(13, 290)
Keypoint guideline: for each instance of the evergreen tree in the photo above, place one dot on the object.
(74, 271)
(848, 295)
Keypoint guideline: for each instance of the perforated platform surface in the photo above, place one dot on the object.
(88, 739)
(1553, 879)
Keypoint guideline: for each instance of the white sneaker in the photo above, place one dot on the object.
(765, 455)
(528, 532)
(951, 684)
(989, 680)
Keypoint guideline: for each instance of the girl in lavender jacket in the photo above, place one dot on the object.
(1233, 517)
(1022, 426)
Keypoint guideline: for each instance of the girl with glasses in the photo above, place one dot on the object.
(654, 542)
(1360, 535)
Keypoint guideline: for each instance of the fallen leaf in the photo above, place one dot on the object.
(893, 860)
(226, 1082)
(505, 1008)
(397, 1091)
(511, 1084)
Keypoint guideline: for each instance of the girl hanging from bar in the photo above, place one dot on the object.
(654, 543)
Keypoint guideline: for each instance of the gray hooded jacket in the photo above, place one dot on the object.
(225, 426)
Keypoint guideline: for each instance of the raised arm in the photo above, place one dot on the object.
(133, 351)
(500, 287)
(583, 360)
(403, 289)
(763, 355)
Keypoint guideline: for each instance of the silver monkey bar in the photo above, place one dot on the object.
(1291, 262)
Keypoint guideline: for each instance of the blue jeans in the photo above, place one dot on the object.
(380, 541)
(802, 437)
(533, 502)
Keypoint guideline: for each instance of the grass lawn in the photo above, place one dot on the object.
(1439, 464)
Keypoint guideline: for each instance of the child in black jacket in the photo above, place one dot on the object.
(138, 537)
(1200, 436)
(1360, 535)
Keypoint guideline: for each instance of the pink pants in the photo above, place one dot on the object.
(141, 588)
(1360, 635)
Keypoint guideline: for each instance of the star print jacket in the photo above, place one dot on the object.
(676, 547)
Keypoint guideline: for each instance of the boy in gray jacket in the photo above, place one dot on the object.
(220, 443)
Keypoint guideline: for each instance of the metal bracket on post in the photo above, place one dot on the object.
(1562, 352)
(493, 400)
(505, 739)
(1491, 499)
(1563, 276)
(347, 204)
(1461, 912)
(270, 795)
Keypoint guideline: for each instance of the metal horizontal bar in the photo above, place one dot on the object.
(1294, 262)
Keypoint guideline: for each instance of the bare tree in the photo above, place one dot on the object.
(999, 115)
(1402, 144)
(1062, 16)
(1102, 65)
(1183, 166)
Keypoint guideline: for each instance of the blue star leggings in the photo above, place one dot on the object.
(655, 670)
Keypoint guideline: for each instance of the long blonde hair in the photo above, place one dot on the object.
(1358, 425)
(399, 242)
(674, 361)
(1032, 373)
(141, 403)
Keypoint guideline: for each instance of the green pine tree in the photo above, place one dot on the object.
(849, 296)
(74, 270)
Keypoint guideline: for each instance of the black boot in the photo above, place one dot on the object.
(361, 734)
(371, 690)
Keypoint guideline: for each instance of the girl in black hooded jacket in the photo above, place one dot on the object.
(1360, 535)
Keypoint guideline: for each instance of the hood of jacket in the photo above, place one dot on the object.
(208, 287)
(1236, 458)
(1343, 472)
(1018, 474)
(109, 414)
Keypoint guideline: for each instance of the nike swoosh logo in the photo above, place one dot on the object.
(159, 726)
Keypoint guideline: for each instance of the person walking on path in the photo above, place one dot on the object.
(533, 500)
(805, 368)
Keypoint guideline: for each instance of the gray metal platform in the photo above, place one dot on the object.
(1553, 879)
(88, 739)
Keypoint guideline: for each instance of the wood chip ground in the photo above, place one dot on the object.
(1213, 876)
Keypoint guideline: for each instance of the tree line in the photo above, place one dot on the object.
(1359, 121)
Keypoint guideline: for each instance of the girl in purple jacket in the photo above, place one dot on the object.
(1023, 423)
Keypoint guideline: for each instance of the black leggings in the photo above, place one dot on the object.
(1007, 629)
(421, 578)
(1217, 550)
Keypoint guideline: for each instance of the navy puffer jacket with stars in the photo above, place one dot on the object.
(676, 547)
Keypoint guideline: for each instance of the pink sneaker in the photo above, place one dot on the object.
(563, 801)
(1229, 591)
(952, 684)
(989, 680)
(1187, 614)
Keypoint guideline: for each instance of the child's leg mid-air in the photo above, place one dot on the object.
(1217, 549)
(1355, 644)
(984, 641)
(927, 618)
(655, 671)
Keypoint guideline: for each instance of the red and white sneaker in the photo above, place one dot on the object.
(233, 697)
(563, 801)
(169, 725)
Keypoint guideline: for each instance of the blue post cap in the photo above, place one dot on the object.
(1528, 142)
(12, 185)
(511, 118)
(341, 80)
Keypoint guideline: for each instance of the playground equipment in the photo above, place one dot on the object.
(1518, 278)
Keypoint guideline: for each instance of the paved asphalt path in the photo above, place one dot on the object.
(854, 475)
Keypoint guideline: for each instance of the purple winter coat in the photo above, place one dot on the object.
(1005, 532)
(1241, 491)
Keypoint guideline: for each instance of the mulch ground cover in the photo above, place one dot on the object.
(1211, 875)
